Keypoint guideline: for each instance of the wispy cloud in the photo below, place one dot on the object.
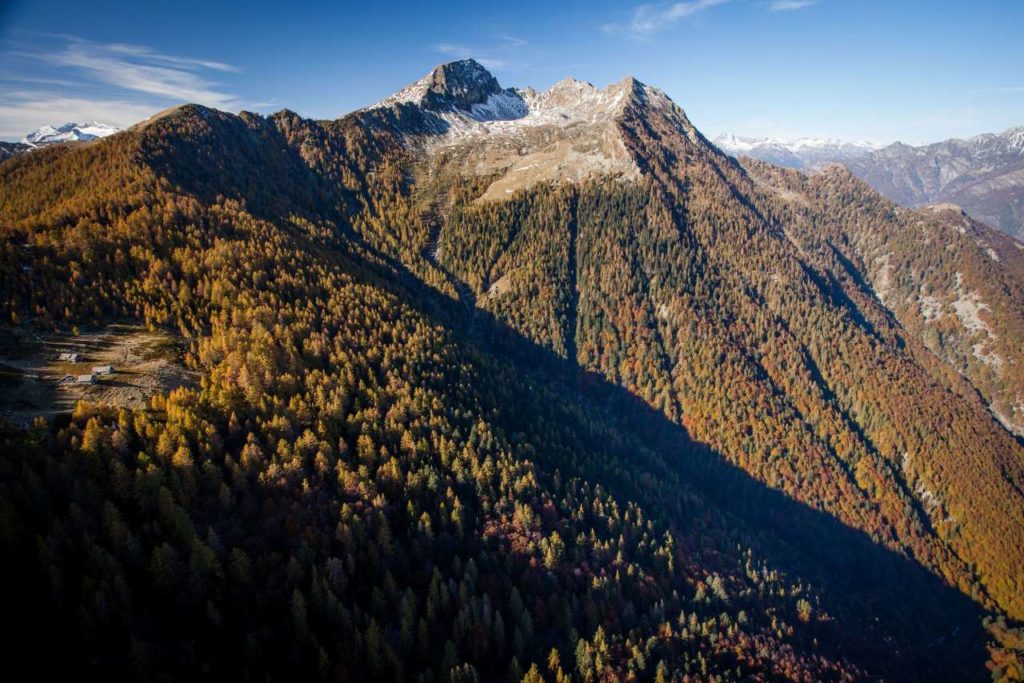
(649, 19)
(144, 53)
(61, 78)
(13, 77)
(140, 69)
(24, 111)
(501, 52)
(790, 5)
(999, 90)
(465, 51)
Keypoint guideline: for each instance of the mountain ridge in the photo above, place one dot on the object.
(673, 278)
(984, 174)
(806, 153)
(68, 132)
(648, 115)
(981, 173)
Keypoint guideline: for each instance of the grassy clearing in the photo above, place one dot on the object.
(144, 362)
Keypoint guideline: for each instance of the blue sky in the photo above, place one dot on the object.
(855, 69)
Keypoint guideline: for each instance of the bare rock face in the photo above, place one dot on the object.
(569, 132)
(460, 84)
(455, 85)
(523, 137)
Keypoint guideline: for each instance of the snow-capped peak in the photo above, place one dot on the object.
(523, 136)
(731, 141)
(465, 99)
(739, 143)
(455, 85)
(69, 132)
(1015, 138)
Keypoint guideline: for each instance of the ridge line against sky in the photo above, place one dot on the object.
(850, 69)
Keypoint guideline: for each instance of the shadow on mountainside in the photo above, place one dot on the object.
(892, 616)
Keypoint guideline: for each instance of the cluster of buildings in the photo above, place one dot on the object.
(90, 378)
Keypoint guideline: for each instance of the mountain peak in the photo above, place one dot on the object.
(453, 85)
(68, 132)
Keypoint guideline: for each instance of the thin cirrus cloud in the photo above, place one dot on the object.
(23, 111)
(143, 70)
(503, 52)
(119, 83)
(465, 51)
(790, 5)
(649, 19)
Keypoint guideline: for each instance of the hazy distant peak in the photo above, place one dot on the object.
(68, 132)
(982, 173)
(801, 153)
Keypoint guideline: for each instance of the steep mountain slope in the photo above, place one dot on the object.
(355, 491)
(951, 281)
(690, 295)
(984, 175)
(457, 351)
(801, 154)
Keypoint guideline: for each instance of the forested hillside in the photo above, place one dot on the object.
(952, 282)
(692, 291)
(623, 428)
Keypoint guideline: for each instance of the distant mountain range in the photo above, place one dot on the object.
(983, 174)
(50, 135)
(801, 154)
(69, 132)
